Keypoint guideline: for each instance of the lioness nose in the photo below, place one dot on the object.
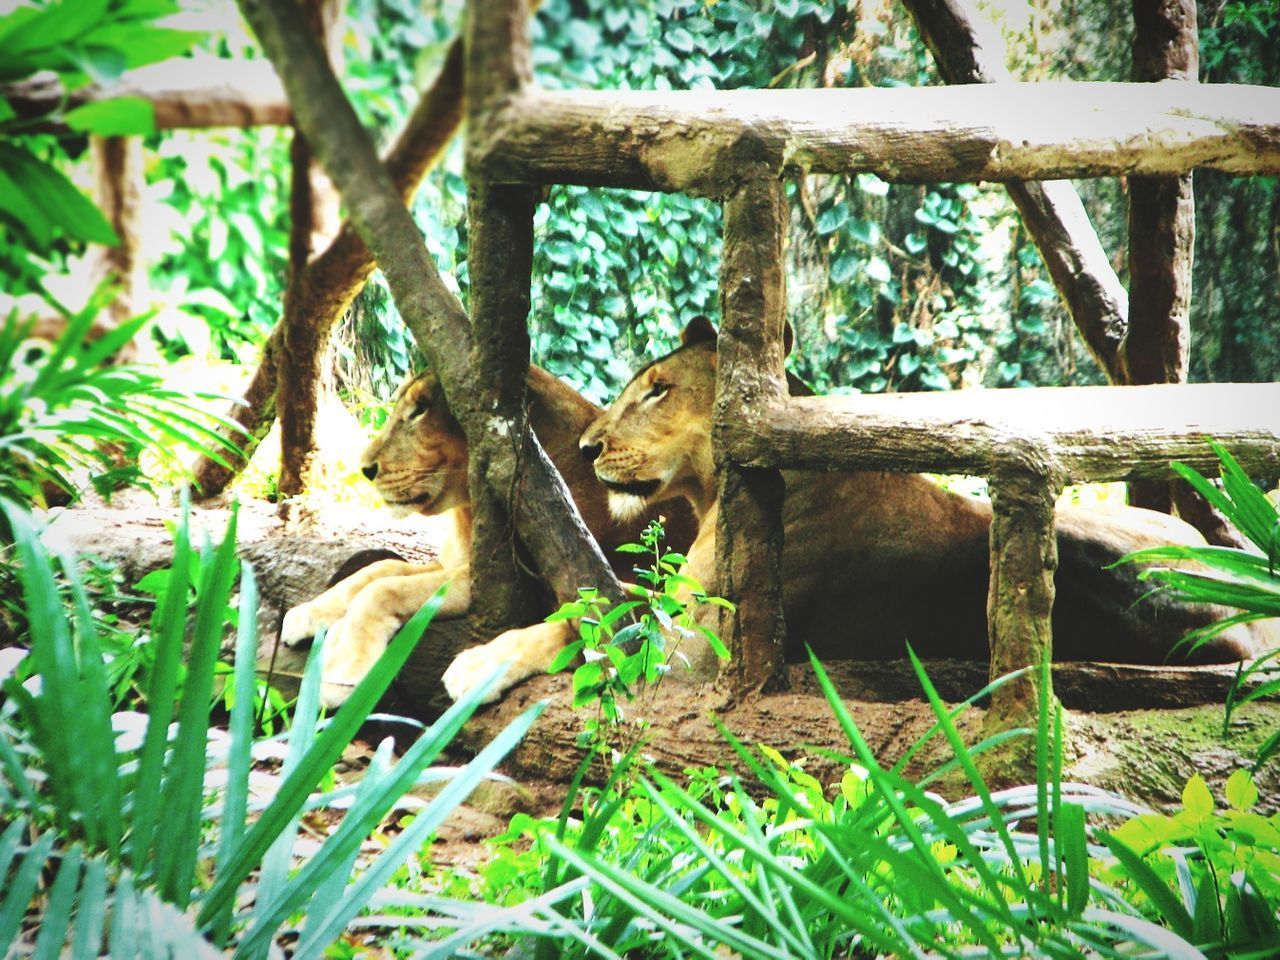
(370, 470)
(590, 450)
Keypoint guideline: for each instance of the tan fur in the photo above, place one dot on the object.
(873, 560)
(418, 463)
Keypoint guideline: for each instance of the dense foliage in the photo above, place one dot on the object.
(892, 286)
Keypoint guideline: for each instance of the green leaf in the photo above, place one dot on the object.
(58, 200)
(833, 218)
(120, 117)
(1196, 798)
(1242, 794)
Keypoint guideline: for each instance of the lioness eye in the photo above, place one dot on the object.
(657, 390)
(422, 406)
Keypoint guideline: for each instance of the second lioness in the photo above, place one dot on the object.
(870, 560)
(418, 463)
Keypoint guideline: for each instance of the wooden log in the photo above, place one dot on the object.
(749, 375)
(194, 92)
(1095, 433)
(697, 141)
(1024, 556)
(1162, 229)
(119, 177)
(545, 517)
(967, 48)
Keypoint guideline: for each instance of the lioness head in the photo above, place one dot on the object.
(654, 441)
(418, 462)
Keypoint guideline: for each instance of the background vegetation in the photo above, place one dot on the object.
(893, 287)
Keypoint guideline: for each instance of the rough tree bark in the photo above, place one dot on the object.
(500, 259)
(1161, 228)
(689, 140)
(967, 49)
(753, 297)
(1024, 556)
(334, 277)
(546, 519)
(304, 349)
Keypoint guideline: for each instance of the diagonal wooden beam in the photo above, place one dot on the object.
(967, 48)
(543, 511)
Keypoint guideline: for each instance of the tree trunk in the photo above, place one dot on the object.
(304, 342)
(1161, 228)
(545, 517)
(333, 278)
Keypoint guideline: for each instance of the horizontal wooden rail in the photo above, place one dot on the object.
(1077, 433)
(185, 92)
(705, 142)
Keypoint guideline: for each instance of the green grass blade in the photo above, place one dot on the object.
(888, 787)
(329, 892)
(176, 847)
(96, 738)
(971, 771)
(168, 627)
(415, 834)
(1150, 883)
(278, 859)
(91, 912)
(126, 920)
(1167, 944)
(669, 914)
(22, 887)
(16, 772)
(55, 923)
(327, 748)
(240, 728)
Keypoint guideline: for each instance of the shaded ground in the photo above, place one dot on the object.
(1139, 730)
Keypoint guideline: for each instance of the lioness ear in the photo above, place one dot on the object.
(788, 338)
(699, 330)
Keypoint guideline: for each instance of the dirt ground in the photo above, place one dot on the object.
(1140, 730)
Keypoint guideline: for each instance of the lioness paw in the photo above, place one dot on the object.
(302, 623)
(471, 668)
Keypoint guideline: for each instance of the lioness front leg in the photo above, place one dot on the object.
(526, 651)
(307, 619)
(355, 641)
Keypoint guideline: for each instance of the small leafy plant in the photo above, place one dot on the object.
(1247, 580)
(65, 412)
(157, 828)
(1212, 875)
(620, 655)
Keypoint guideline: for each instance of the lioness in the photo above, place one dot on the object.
(418, 463)
(870, 560)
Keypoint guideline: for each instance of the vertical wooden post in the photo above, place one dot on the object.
(118, 180)
(500, 261)
(312, 215)
(1024, 556)
(749, 378)
(1161, 228)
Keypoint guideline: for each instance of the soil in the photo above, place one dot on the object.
(1139, 730)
